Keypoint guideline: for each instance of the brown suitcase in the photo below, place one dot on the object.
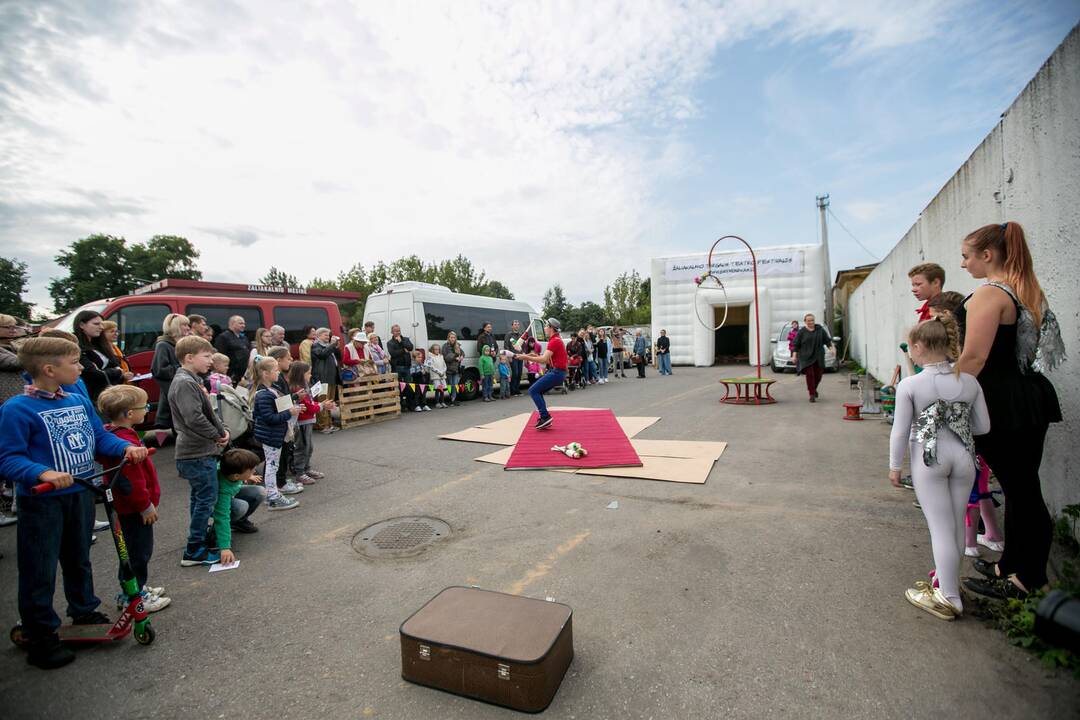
(503, 649)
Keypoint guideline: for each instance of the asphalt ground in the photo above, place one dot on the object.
(776, 589)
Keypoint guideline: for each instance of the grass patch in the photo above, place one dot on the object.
(1016, 618)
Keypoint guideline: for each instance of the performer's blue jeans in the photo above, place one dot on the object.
(552, 378)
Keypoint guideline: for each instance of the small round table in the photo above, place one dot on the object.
(748, 391)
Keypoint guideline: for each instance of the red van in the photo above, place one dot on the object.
(139, 316)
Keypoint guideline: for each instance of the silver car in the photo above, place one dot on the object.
(782, 361)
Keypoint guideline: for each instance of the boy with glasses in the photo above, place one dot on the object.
(136, 492)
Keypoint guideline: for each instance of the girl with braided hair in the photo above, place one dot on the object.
(938, 412)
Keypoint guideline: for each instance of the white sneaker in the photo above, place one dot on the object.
(100, 525)
(417, 409)
(995, 545)
(291, 488)
(426, 409)
(971, 551)
(6, 520)
(153, 603)
(153, 590)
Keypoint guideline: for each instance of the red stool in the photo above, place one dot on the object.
(853, 411)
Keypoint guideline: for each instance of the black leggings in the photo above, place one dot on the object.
(1014, 457)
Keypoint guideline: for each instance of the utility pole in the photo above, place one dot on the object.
(823, 207)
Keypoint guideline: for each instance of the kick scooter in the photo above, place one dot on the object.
(134, 615)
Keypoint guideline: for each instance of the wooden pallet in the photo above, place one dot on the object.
(370, 399)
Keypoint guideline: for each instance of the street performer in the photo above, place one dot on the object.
(556, 360)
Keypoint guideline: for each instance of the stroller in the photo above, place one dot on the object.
(574, 377)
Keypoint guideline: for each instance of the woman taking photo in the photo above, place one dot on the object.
(101, 368)
(1010, 338)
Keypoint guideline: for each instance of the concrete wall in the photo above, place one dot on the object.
(1026, 170)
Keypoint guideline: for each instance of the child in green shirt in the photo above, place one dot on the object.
(236, 468)
(487, 372)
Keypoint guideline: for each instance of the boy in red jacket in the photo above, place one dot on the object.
(136, 492)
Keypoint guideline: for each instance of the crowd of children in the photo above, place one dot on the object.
(54, 434)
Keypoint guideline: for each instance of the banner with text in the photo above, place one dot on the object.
(736, 265)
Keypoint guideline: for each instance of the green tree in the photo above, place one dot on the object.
(279, 278)
(97, 267)
(589, 313)
(164, 256)
(555, 304)
(495, 289)
(13, 282)
(622, 297)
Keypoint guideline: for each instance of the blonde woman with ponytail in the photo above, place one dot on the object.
(1010, 338)
(938, 412)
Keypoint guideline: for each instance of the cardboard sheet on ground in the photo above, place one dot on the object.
(508, 430)
(596, 430)
(694, 469)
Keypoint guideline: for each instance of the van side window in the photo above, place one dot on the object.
(138, 326)
(218, 317)
(294, 319)
(467, 322)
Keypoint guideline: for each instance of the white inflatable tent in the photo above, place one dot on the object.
(792, 281)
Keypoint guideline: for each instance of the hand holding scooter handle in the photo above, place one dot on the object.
(51, 476)
(52, 480)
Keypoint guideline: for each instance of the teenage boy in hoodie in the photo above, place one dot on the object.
(51, 436)
(200, 438)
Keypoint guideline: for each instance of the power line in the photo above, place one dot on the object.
(841, 224)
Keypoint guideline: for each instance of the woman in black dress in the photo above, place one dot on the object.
(1010, 337)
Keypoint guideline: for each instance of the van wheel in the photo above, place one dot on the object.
(471, 378)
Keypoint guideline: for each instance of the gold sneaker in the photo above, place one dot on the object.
(926, 597)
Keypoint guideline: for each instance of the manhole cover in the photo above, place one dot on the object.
(399, 537)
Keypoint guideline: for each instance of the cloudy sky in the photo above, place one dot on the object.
(549, 141)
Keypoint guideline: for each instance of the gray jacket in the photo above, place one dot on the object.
(197, 427)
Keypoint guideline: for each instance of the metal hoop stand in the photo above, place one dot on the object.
(748, 391)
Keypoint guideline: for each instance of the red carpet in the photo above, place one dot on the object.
(597, 430)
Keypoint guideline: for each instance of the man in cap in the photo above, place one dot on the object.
(556, 360)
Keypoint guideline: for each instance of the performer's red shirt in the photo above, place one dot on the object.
(559, 360)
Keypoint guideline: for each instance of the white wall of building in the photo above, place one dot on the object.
(1027, 170)
(791, 283)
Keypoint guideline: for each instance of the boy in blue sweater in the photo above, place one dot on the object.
(50, 436)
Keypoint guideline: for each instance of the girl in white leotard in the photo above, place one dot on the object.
(937, 413)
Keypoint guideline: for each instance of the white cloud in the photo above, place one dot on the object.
(315, 135)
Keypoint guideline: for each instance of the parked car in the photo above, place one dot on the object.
(781, 356)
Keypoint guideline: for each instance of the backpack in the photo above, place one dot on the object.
(233, 410)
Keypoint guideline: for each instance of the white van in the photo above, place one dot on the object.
(428, 313)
